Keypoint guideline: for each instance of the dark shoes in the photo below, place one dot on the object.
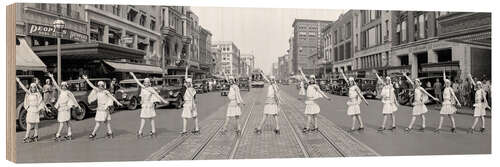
(91, 136)
(109, 135)
(277, 131)
(258, 131)
(195, 132)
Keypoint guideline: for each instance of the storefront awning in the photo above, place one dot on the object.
(127, 67)
(90, 51)
(26, 59)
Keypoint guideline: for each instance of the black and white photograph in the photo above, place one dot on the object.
(122, 82)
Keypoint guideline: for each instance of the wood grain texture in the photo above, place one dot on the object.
(11, 87)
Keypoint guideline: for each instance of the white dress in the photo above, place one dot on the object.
(388, 99)
(147, 105)
(479, 106)
(33, 104)
(353, 102)
(64, 103)
(302, 91)
(189, 108)
(312, 94)
(233, 108)
(419, 107)
(448, 102)
(271, 106)
(104, 101)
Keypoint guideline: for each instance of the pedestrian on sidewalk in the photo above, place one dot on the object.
(480, 106)
(33, 103)
(390, 103)
(302, 90)
(190, 109)
(448, 105)
(312, 109)
(420, 98)
(104, 105)
(438, 88)
(65, 102)
(149, 96)
(272, 105)
(234, 106)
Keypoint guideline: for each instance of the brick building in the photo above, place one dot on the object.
(306, 42)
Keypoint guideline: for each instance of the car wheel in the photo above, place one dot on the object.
(402, 99)
(133, 104)
(79, 113)
(21, 121)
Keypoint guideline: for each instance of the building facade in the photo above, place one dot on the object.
(306, 42)
(230, 63)
(217, 55)
(283, 72)
(249, 61)
(428, 43)
(372, 44)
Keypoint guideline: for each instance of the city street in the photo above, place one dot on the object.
(331, 141)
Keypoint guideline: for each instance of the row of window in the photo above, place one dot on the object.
(339, 53)
(115, 37)
(342, 33)
(371, 61)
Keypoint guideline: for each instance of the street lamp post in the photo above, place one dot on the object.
(59, 26)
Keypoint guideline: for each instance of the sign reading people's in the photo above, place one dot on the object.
(50, 31)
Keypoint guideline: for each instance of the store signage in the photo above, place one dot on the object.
(50, 31)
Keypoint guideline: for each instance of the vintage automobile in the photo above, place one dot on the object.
(219, 83)
(368, 87)
(324, 84)
(340, 88)
(173, 90)
(81, 90)
(128, 93)
(244, 83)
(405, 96)
(21, 111)
(199, 86)
(224, 88)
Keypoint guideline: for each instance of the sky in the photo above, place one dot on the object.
(261, 31)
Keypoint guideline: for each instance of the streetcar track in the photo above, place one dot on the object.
(212, 137)
(324, 136)
(243, 132)
(181, 139)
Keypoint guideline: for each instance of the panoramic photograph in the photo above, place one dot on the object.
(118, 82)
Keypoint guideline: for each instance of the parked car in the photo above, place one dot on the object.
(199, 86)
(21, 111)
(405, 97)
(340, 88)
(81, 91)
(173, 90)
(244, 83)
(128, 93)
(324, 84)
(219, 83)
(368, 87)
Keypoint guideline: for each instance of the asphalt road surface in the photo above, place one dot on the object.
(331, 141)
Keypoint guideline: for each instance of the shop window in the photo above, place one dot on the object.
(444, 55)
(404, 60)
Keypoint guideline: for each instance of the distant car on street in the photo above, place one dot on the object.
(368, 87)
(200, 85)
(173, 90)
(257, 80)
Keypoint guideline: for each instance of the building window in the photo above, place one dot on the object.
(114, 36)
(152, 25)
(444, 55)
(131, 15)
(404, 60)
(142, 20)
(386, 36)
(348, 30)
(341, 52)
(403, 31)
(348, 50)
(151, 46)
(96, 31)
(116, 10)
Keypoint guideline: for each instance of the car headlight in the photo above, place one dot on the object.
(170, 93)
(124, 96)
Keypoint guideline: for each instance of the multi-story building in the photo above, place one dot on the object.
(230, 57)
(306, 42)
(274, 69)
(249, 60)
(341, 40)
(206, 60)
(217, 56)
(283, 67)
(290, 56)
(428, 43)
(105, 37)
(372, 44)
